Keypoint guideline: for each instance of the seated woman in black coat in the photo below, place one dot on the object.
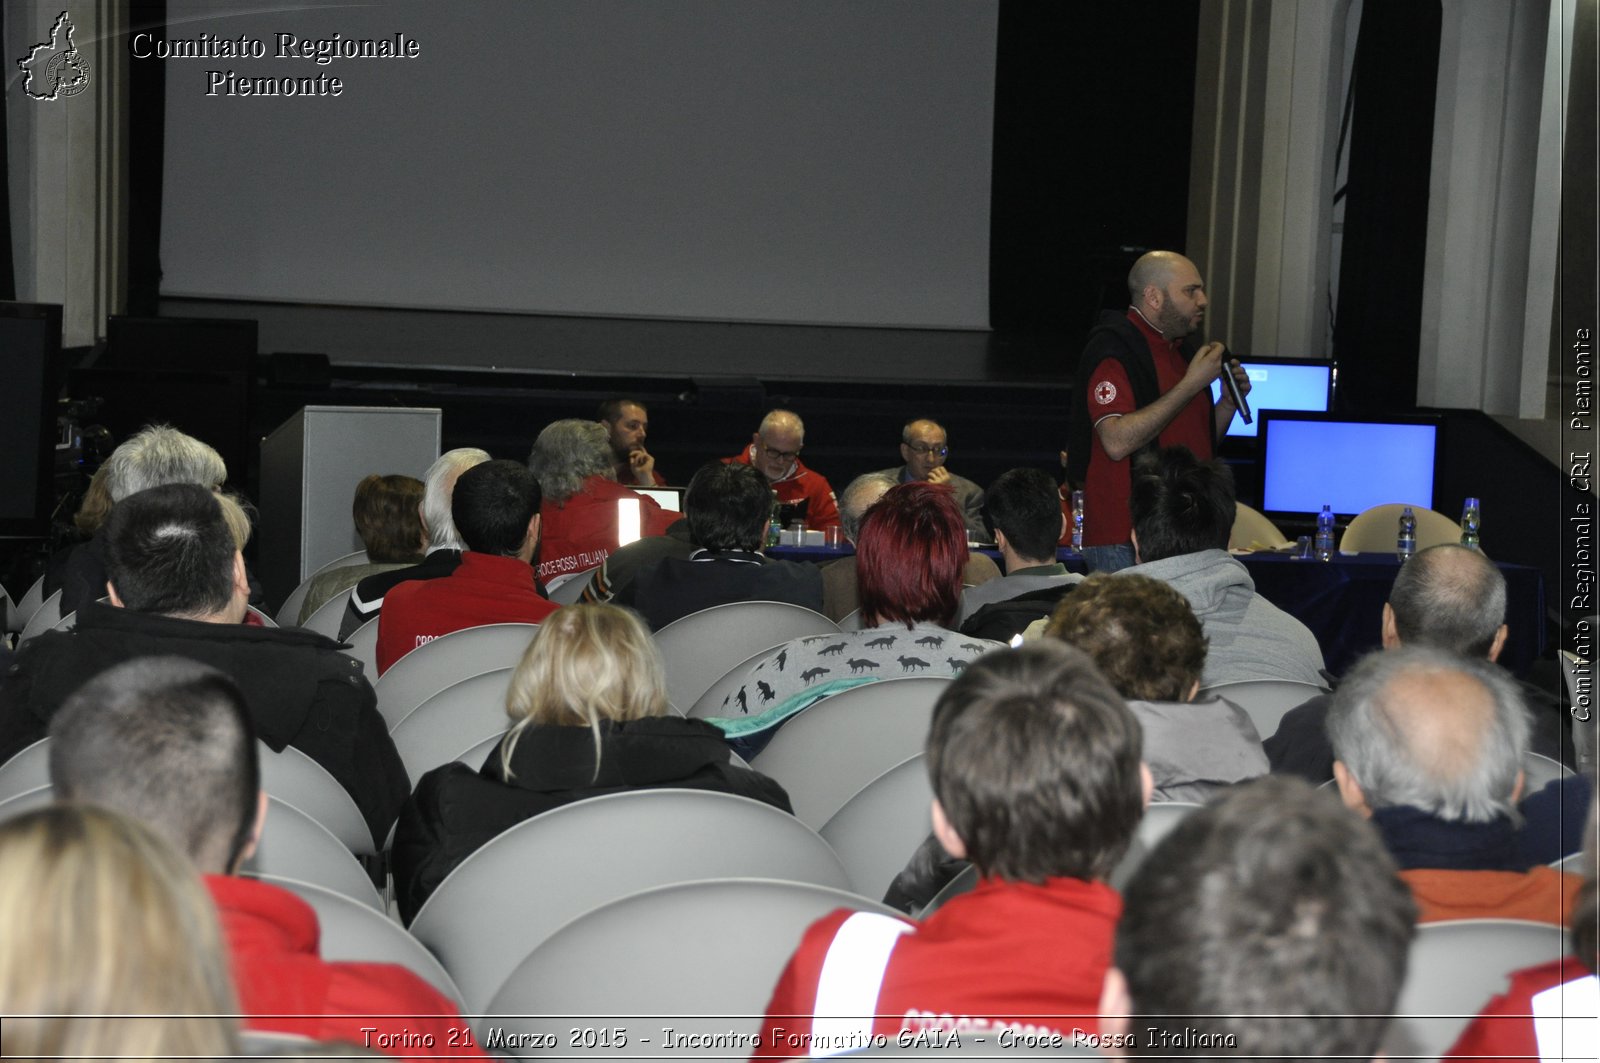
(589, 714)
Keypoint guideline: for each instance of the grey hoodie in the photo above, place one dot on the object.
(1250, 637)
(1195, 748)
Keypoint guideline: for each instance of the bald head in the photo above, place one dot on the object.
(1167, 290)
(859, 497)
(782, 421)
(1421, 727)
(1449, 597)
(923, 447)
(778, 443)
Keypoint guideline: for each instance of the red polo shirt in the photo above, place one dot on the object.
(1107, 484)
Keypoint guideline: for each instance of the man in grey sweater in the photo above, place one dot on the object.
(1183, 510)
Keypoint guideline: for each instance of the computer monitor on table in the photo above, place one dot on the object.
(1310, 460)
(1281, 384)
(665, 497)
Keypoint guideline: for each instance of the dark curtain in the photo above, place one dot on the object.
(1378, 320)
(1094, 106)
(147, 92)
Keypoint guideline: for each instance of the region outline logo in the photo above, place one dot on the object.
(64, 71)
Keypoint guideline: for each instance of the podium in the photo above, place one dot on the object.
(310, 466)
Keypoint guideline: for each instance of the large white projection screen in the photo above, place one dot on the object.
(820, 161)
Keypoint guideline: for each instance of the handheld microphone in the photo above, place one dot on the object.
(1233, 388)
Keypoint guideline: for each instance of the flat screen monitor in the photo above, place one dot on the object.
(666, 497)
(1310, 460)
(1280, 384)
(30, 347)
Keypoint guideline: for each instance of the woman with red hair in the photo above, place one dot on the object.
(910, 554)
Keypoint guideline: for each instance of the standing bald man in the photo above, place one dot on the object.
(1142, 383)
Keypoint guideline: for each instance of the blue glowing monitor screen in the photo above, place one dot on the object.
(1350, 465)
(1275, 386)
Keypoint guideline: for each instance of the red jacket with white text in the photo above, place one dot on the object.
(1009, 956)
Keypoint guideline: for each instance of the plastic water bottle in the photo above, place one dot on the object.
(1471, 517)
(774, 526)
(1077, 522)
(1324, 540)
(1405, 543)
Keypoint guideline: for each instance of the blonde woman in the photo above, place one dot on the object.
(102, 924)
(589, 716)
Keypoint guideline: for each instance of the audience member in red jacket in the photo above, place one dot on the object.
(573, 463)
(168, 741)
(495, 508)
(775, 450)
(1267, 925)
(1036, 774)
(1550, 1012)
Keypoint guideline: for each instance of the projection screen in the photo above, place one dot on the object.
(824, 161)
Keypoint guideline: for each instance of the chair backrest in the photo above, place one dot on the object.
(710, 703)
(295, 846)
(297, 780)
(824, 755)
(292, 845)
(363, 643)
(564, 590)
(1453, 969)
(289, 612)
(1265, 701)
(879, 828)
(446, 660)
(1253, 531)
(27, 801)
(475, 757)
(851, 621)
(8, 614)
(697, 649)
(47, 616)
(28, 604)
(513, 893)
(686, 944)
(1375, 530)
(329, 615)
(354, 933)
(1538, 771)
(1157, 822)
(29, 767)
(358, 557)
(453, 721)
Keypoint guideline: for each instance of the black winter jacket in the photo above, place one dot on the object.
(301, 690)
(457, 810)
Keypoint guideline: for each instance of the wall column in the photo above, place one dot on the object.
(69, 170)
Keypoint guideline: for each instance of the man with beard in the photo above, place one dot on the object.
(1141, 385)
(627, 424)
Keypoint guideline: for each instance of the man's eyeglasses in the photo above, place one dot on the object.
(774, 454)
(925, 449)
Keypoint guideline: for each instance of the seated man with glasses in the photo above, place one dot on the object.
(924, 448)
(775, 450)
